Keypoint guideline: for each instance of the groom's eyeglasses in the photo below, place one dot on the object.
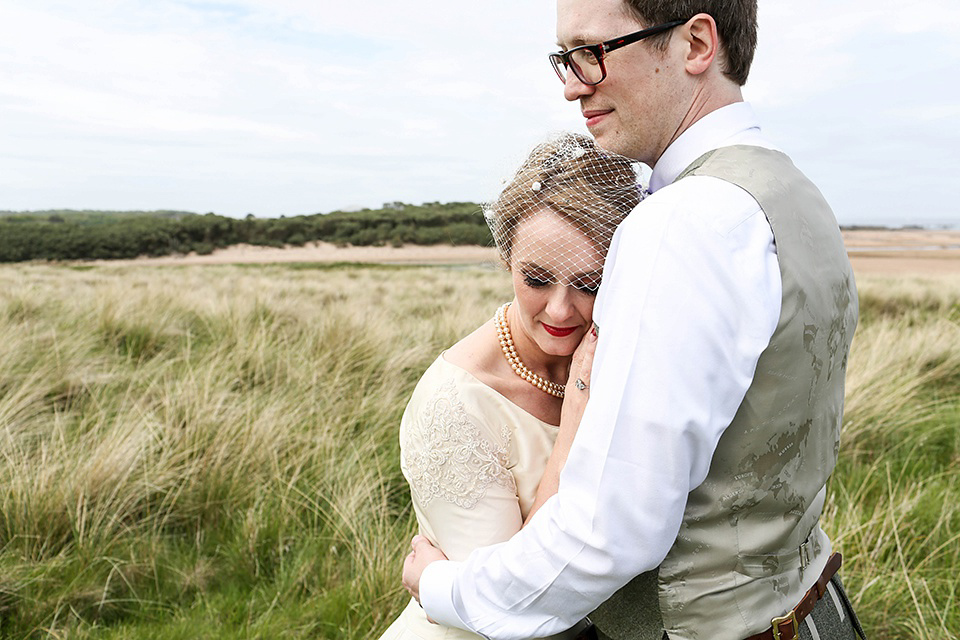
(586, 61)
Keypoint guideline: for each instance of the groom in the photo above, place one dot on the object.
(690, 502)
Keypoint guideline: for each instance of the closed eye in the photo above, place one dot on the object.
(535, 281)
(588, 283)
(588, 288)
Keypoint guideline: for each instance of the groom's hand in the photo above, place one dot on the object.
(423, 554)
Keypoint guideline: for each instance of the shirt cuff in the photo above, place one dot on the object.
(436, 593)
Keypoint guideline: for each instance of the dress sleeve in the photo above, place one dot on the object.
(456, 461)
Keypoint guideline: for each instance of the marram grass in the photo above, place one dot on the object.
(212, 451)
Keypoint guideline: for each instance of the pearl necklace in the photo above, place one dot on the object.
(506, 343)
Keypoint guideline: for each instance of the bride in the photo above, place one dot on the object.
(479, 429)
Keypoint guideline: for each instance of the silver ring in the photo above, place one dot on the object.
(578, 383)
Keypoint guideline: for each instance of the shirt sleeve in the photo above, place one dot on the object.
(457, 464)
(689, 300)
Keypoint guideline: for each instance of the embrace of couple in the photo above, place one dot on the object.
(673, 427)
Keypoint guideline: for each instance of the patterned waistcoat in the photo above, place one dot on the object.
(750, 541)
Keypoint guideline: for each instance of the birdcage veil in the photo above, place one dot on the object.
(562, 206)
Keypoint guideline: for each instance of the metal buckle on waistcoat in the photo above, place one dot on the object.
(789, 618)
(805, 556)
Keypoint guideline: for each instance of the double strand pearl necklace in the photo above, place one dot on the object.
(506, 343)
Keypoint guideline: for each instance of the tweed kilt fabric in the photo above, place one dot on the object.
(833, 618)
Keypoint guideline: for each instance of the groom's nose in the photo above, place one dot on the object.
(573, 89)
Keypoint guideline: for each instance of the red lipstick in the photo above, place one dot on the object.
(558, 332)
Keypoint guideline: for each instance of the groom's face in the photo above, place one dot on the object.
(636, 110)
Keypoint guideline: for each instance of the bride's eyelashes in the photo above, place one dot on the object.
(588, 288)
(538, 280)
(534, 282)
(587, 283)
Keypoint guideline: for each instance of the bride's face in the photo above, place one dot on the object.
(556, 271)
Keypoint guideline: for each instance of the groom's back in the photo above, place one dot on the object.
(750, 543)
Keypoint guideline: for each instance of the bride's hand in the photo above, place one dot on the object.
(574, 401)
(578, 383)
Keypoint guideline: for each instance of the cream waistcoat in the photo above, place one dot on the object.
(750, 544)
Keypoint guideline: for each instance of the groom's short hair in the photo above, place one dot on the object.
(736, 25)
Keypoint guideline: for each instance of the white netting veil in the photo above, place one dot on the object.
(557, 214)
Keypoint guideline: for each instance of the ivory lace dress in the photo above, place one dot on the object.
(473, 460)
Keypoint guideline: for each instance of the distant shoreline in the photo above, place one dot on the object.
(913, 226)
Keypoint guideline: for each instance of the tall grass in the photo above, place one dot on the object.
(211, 451)
(894, 506)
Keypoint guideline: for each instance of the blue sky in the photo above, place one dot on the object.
(293, 107)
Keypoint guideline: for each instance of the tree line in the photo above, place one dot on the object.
(92, 235)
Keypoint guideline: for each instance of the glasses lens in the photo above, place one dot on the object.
(586, 66)
(559, 65)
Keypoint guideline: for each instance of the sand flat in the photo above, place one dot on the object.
(326, 252)
(944, 239)
(882, 252)
(903, 251)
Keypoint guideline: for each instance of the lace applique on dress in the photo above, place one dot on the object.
(448, 457)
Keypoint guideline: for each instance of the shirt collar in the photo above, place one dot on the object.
(733, 124)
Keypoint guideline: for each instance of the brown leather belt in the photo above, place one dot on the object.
(788, 627)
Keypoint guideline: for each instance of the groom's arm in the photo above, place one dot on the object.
(688, 303)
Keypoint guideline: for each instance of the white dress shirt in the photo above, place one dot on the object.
(690, 298)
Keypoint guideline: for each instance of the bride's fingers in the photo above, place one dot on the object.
(578, 380)
(577, 361)
(583, 358)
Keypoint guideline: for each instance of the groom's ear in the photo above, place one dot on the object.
(701, 43)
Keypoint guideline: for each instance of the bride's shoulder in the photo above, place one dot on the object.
(461, 370)
(461, 376)
(477, 353)
(452, 407)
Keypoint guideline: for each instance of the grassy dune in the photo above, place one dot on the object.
(211, 451)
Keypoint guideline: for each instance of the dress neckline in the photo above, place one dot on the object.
(492, 390)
